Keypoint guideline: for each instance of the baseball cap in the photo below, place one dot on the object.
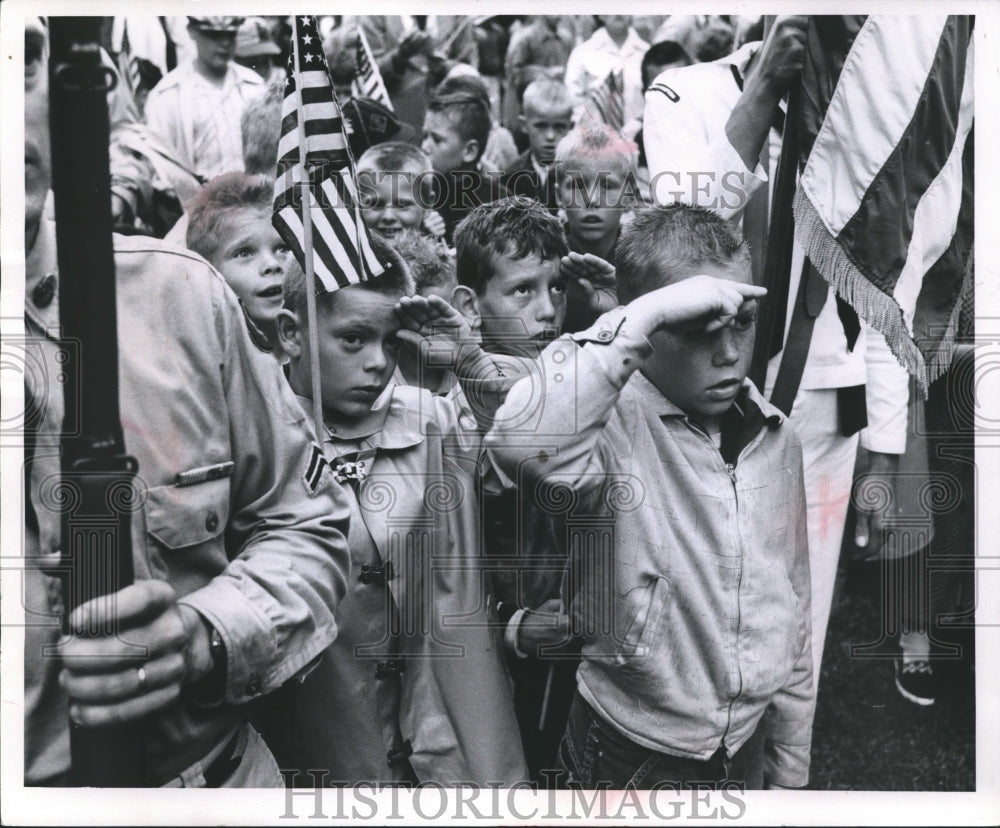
(254, 38)
(215, 23)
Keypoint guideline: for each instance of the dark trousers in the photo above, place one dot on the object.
(593, 754)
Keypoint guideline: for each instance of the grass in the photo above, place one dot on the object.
(867, 736)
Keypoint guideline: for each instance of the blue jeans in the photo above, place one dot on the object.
(594, 754)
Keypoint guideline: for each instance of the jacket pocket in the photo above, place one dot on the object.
(645, 611)
(180, 516)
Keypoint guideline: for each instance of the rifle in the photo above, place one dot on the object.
(97, 474)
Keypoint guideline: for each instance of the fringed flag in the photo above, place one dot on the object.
(313, 148)
(367, 78)
(606, 102)
(884, 203)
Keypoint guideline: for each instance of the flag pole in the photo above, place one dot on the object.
(307, 248)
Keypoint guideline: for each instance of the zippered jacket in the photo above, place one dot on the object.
(692, 574)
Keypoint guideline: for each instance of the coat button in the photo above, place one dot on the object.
(212, 521)
(605, 336)
(253, 687)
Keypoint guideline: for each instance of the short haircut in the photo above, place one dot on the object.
(400, 157)
(516, 227)
(465, 102)
(215, 204)
(396, 281)
(546, 93)
(428, 260)
(664, 53)
(260, 126)
(594, 140)
(664, 241)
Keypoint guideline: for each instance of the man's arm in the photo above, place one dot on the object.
(272, 606)
(700, 156)
(888, 393)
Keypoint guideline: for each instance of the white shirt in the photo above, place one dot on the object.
(591, 62)
(200, 119)
(691, 161)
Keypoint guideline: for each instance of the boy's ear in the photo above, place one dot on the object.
(466, 302)
(470, 152)
(522, 123)
(289, 333)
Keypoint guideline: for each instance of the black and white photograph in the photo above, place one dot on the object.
(509, 417)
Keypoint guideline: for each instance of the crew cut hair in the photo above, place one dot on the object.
(664, 242)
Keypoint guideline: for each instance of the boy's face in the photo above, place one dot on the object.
(700, 372)
(358, 350)
(394, 205)
(524, 303)
(444, 145)
(254, 259)
(545, 123)
(592, 191)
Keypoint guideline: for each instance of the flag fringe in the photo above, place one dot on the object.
(940, 362)
(871, 304)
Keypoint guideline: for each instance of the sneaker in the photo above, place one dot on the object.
(914, 680)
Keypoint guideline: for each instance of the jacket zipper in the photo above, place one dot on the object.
(731, 471)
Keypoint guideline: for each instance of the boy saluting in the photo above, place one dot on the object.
(704, 672)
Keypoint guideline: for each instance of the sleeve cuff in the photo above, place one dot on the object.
(511, 631)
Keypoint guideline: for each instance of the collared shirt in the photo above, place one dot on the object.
(233, 507)
(693, 572)
(591, 62)
(537, 44)
(201, 119)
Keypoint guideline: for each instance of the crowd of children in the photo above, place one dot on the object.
(572, 530)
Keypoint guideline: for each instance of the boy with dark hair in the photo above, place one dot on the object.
(513, 293)
(405, 680)
(510, 288)
(455, 132)
(694, 594)
(229, 223)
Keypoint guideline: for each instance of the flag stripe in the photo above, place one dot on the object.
(871, 106)
(881, 228)
(943, 282)
(312, 135)
(937, 215)
(903, 253)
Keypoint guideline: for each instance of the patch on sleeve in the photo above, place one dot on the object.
(315, 468)
(665, 90)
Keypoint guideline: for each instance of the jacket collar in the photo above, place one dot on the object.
(391, 423)
(747, 400)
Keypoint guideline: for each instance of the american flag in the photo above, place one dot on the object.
(128, 64)
(607, 102)
(315, 149)
(367, 79)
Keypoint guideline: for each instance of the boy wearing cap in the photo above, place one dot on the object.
(255, 49)
(196, 108)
